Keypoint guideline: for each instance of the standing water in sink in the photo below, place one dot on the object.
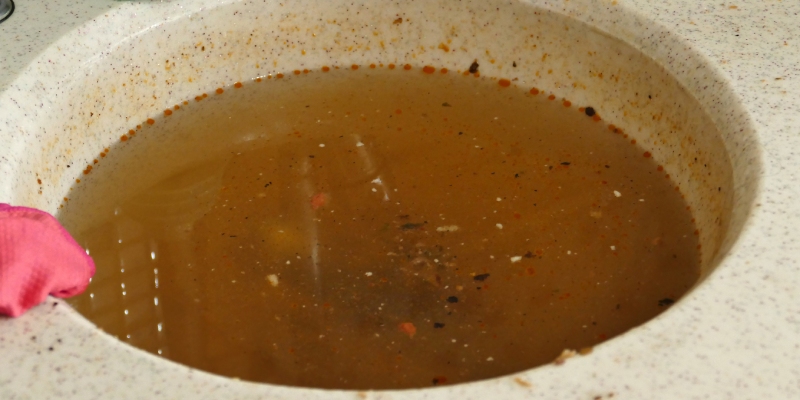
(377, 228)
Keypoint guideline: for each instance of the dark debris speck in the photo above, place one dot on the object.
(438, 325)
(452, 299)
(481, 277)
(473, 68)
(666, 302)
(410, 226)
(590, 111)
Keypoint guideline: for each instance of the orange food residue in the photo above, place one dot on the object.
(318, 200)
(408, 328)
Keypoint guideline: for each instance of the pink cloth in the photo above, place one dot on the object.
(37, 257)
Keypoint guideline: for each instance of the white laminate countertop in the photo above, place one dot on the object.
(737, 336)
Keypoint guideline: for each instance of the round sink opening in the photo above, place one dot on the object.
(703, 145)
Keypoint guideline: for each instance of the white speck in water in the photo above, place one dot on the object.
(569, 252)
(159, 351)
(447, 228)
(368, 273)
(613, 247)
(377, 181)
(641, 199)
(160, 327)
(516, 259)
(322, 145)
(126, 312)
(454, 340)
(152, 255)
(499, 226)
(499, 199)
(618, 194)
(273, 279)
(359, 144)
(155, 300)
(374, 190)
(490, 359)
(288, 262)
(91, 295)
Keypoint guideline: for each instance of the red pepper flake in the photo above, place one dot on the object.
(407, 67)
(130, 132)
(297, 72)
(123, 138)
(443, 70)
(219, 90)
(551, 97)
(567, 103)
(398, 111)
(318, 200)
(278, 76)
(150, 121)
(354, 67)
(596, 118)
(647, 154)
(534, 91)
(391, 66)
(237, 85)
(168, 112)
(408, 328)
(326, 68)
(428, 69)
(504, 82)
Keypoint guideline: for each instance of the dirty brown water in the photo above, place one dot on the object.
(377, 228)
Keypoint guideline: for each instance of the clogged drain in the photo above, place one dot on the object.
(376, 228)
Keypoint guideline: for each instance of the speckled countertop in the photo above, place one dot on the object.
(736, 336)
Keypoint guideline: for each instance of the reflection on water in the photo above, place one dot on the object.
(161, 217)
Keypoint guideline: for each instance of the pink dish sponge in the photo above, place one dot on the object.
(38, 257)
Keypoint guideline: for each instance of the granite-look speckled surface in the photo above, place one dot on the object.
(735, 336)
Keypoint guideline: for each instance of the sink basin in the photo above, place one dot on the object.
(111, 72)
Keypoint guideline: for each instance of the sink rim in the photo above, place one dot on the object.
(728, 260)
